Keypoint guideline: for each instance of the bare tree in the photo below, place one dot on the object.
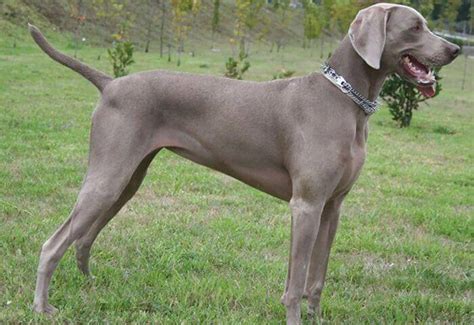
(162, 26)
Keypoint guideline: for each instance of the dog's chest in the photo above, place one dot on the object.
(355, 158)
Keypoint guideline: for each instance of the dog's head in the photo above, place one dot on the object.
(396, 39)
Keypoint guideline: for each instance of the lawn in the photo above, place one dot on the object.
(195, 246)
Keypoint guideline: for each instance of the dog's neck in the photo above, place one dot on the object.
(347, 63)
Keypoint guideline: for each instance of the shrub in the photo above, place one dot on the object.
(121, 56)
(283, 73)
(403, 98)
(236, 68)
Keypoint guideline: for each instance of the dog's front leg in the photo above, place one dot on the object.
(306, 216)
(320, 255)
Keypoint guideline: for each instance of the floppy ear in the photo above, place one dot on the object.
(367, 34)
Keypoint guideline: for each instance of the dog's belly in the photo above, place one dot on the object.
(269, 178)
(255, 166)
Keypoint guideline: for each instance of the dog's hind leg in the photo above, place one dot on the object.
(117, 149)
(84, 243)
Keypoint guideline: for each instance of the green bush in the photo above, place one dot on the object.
(236, 68)
(403, 98)
(283, 73)
(121, 56)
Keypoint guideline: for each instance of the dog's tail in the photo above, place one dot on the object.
(99, 79)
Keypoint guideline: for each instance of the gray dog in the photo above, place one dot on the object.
(302, 140)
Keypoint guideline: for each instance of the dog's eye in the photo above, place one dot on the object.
(416, 28)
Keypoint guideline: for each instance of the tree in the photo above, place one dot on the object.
(121, 56)
(194, 13)
(403, 98)
(110, 12)
(425, 7)
(77, 13)
(343, 12)
(450, 12)
(182, 21)
(327, 22)
(162, 25)
(312, 21)
(215, 19)
(471, 14)
(464, 11)
(150, 12)
(247, 18)
(280, 9)
(446, 11)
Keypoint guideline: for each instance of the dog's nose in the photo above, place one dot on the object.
(455, 51)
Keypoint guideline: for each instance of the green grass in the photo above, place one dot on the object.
(195, 246)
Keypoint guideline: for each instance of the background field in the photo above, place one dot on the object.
(195, 246)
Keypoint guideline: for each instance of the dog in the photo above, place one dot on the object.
(302, 140)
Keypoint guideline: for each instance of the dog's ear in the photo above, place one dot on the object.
(367, 34)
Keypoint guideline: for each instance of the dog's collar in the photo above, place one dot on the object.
(369, 107)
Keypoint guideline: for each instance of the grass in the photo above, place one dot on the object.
(195, 246)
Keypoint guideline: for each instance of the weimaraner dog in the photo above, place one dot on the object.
(302, 140)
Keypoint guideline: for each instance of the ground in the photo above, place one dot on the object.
(195, 246)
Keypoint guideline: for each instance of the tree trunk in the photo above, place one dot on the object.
(465, 70)
(321, 53)
(162, 30)
(242, 46)
(77, 33)
(192, 32)
(213, 39)
(151, 19)
(180, 51)
(147, 46)
(169, 52)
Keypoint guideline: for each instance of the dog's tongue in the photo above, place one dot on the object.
(427, 91)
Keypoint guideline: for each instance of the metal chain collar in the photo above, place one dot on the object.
(369, 107)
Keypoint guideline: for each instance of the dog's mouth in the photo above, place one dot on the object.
(421, 75)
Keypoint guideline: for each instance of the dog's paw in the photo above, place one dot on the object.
(314, 315)
(45, 309)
